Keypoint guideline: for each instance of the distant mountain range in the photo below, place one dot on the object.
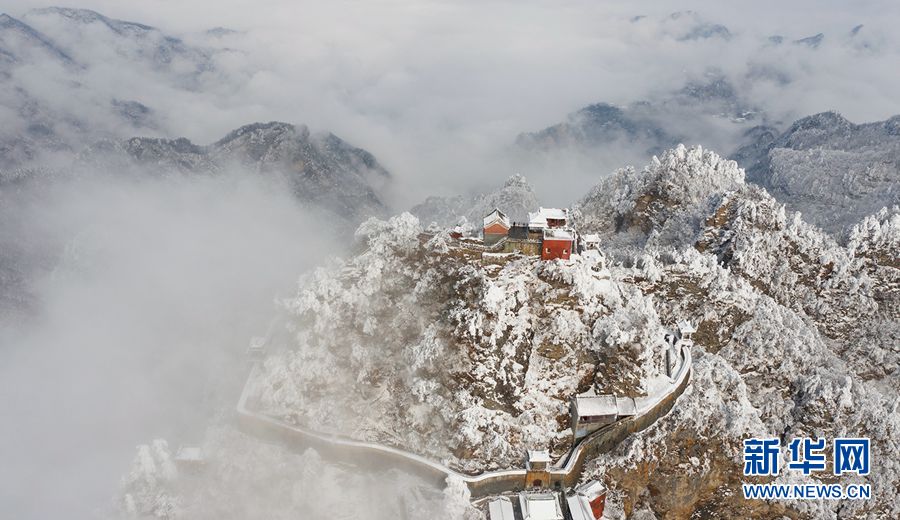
(322, 169)
(55, 65)
(326, 174)
(657, 125)
(835, 172)
(80, 31)
(690, 26)
(93, 125)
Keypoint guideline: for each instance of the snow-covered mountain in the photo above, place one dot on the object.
(799, 334)
(833, 171)
(19, 43)
(516, 197)
(91, 38)
(322, 169)
(70, 77)
(796, 337)
(716, 103)
(686, 115)
(29, 125)
(327, 176)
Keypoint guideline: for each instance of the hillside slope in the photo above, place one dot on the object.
(797, 335)
(833, 171)
(422, 342)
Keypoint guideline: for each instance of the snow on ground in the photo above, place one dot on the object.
(797, 337)
(242, 477)
(417, 342)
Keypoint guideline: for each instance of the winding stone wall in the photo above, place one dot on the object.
(366, 454)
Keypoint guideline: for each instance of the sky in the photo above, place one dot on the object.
(149, 294)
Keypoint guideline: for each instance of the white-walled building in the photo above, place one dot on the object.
(540, 506)
(591, 412)
(545, 218)
(500, 508)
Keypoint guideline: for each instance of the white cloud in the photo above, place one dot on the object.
(162, 276)
(437, 89)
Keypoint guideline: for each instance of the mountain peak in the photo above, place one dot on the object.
(690, 25)
(87, 16)
(516, 180)
(272, 127)
(32, 35)
(823, 120)
(669, 198)
(811, 41)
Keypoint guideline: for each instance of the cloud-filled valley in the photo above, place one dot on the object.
(169, 170)
(445, 87)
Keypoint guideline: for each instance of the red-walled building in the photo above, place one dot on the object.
(557, 243)
(548, 232)
(496, 227)
(588, 501)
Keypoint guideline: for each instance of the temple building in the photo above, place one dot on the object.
(548, 234)
(496, 227)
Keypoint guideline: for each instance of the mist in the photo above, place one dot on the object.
(439, 90)
(139, 328)
(141, 293)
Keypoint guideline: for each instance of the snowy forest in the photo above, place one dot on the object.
(240, 246)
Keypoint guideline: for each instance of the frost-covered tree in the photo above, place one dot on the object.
(147, 489)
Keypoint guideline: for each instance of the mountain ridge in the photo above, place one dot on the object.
(832, 170)
(321, 167)
(793, 328)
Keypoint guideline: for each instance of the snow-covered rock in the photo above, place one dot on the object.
(831, 170)
(796, 337)
(516, 198)
(322, 169)
(423, 344)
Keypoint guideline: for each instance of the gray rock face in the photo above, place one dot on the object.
(321, 168)
(833, 171)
